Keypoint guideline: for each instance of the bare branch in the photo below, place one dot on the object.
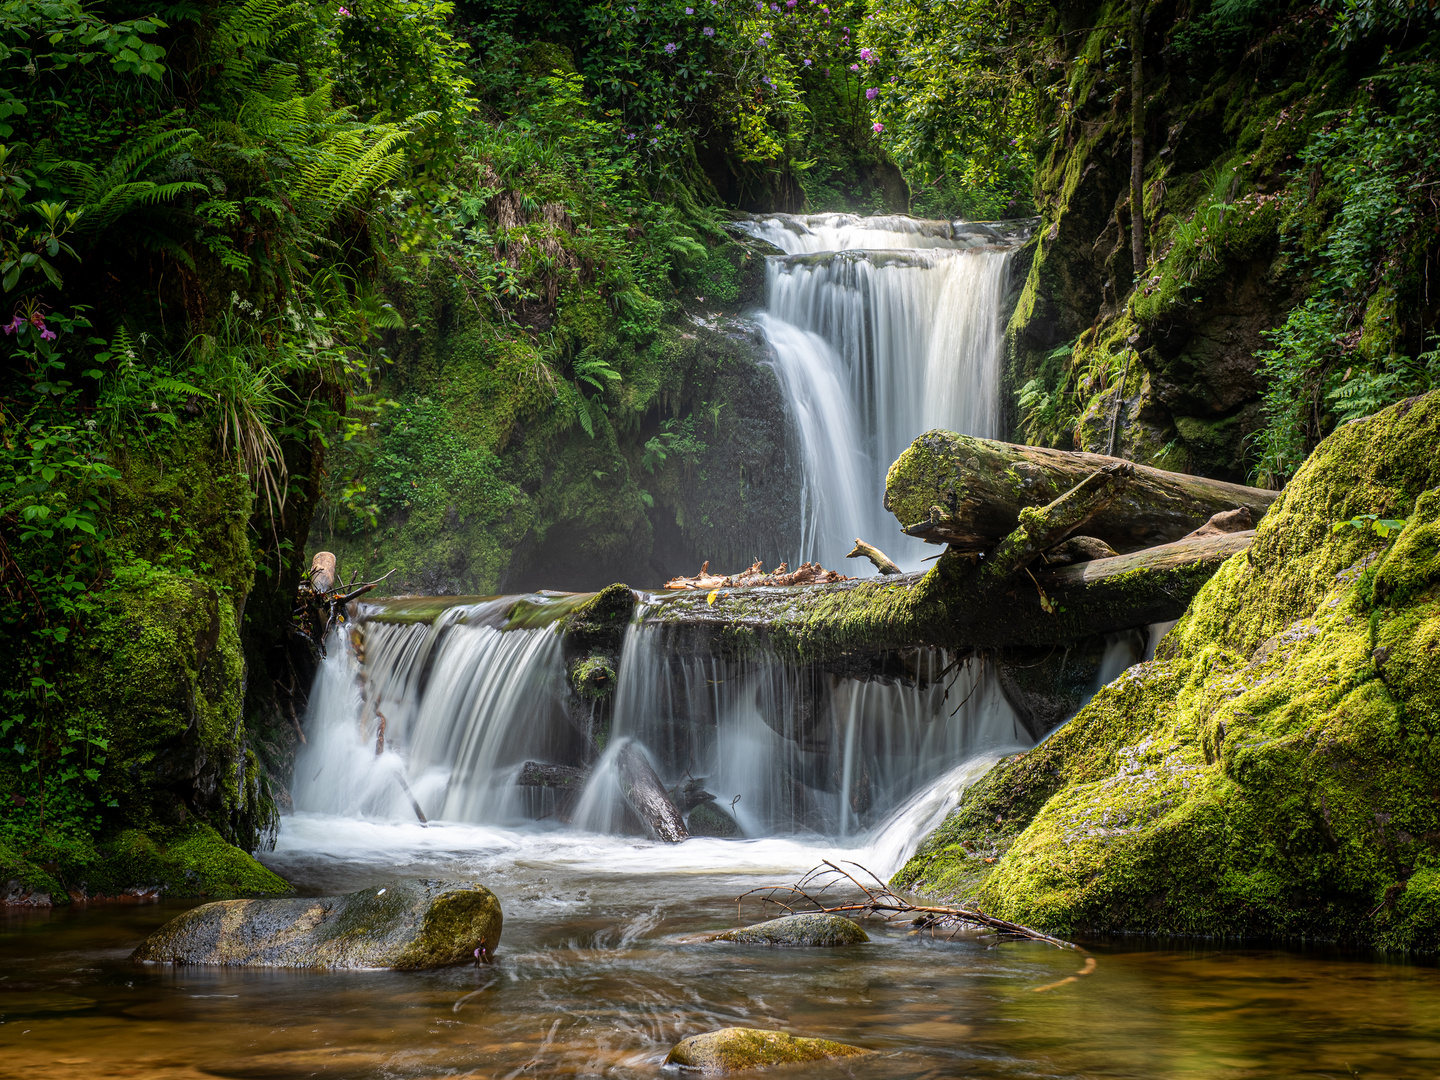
(881, 901)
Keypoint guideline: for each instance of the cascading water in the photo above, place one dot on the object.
(442, 717)
(881, 328)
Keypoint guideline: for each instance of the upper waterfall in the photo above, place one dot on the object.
(881, 328)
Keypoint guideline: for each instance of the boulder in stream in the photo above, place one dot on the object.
(407, 925)
(814, 929)
(738, 1048)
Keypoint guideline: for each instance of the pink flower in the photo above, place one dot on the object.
(15, 324)
(854, 67)
(343, 11)
(47, 335)
(868, 55)
(877, 127)
(871, 94)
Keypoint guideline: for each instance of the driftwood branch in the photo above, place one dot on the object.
(879, 900)
(882, 562)
(645, 795)
(319, 605)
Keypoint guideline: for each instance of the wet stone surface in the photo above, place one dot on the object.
(739, 1048)
(799, 930)
(407, 925)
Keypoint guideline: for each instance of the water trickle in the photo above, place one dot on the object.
(881, 329)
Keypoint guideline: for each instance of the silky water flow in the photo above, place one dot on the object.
(880, 329)
(444, 716)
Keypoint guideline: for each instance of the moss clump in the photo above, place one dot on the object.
(734, 1049)
(24, 883)
(193, 861)
(1272, 772)
(593, 677)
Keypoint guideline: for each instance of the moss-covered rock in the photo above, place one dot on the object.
(1272, 772)
(408, 925)
(25, 884)
(811, 929)
(736, 1049)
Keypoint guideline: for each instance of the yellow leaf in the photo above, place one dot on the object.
(711, 598)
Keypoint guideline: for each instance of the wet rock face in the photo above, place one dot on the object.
(735, 1049)
(405, 925)
(811, 930)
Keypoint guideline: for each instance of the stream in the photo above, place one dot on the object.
(599, 973)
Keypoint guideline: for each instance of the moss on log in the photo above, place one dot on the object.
(969, 493)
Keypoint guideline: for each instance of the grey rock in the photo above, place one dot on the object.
(406, 925)
(812, 929)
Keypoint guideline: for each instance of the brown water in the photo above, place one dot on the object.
(595, 978)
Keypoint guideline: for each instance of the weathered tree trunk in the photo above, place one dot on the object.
(646, 796)
(1137, 136)
(967, 492)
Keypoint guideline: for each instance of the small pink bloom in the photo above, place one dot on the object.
(877, 127)
(15, 324)
(343, 11)
(47, 335)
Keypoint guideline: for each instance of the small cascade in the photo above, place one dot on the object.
(881, 328)
(445, 715)
(792, 749)
(463, 705)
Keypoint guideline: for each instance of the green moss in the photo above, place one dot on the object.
(736, 1049)
(23, 881)
(1271, 773)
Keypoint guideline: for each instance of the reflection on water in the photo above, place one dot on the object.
(595, 978)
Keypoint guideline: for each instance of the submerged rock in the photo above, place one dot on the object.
(737, 1048)
(707, 819)
(407, 925)
(812, 929)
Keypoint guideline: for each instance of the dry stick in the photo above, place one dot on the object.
(882, 901)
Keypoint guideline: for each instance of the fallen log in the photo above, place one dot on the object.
(969, 493)
(957, 608)
(645, 795)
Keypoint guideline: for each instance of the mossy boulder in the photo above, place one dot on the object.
(1272, 772)
(707, 819)
(736, 1049)
(407, 925)
(812, 929)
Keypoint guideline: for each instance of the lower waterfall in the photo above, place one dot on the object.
(440, 719)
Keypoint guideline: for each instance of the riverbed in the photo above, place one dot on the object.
(603, 967)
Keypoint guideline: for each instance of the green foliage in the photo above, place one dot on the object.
(1347, 350)
(953, 94)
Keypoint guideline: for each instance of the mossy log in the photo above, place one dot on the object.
(954, 606)
(969, 493)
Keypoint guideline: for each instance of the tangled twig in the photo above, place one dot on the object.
(881, 901)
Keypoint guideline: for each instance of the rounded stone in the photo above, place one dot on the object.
(406, 925)
(812, 929)
(735, 1049)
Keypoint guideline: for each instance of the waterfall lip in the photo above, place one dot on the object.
(517, 611)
